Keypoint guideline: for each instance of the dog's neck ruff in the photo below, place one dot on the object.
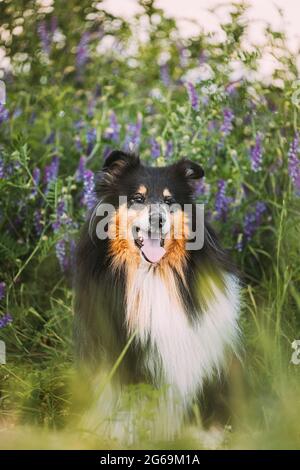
(180, 353)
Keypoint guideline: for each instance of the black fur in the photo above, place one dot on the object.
(99, 294)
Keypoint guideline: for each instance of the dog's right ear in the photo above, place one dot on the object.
(118, 161)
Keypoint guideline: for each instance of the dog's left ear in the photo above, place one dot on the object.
(118, 161)
(190, 170)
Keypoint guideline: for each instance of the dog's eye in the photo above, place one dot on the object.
(169, 201)
(138, 198)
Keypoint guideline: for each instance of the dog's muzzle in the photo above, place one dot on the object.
(149, 233)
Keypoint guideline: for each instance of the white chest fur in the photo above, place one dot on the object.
(181, 354)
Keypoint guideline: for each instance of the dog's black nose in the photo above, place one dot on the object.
(157, 219)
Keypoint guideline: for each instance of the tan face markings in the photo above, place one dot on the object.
(166, 193)
(142, 190)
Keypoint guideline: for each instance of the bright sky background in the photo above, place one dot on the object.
(188, 12)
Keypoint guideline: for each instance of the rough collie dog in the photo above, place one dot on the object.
(151, 305)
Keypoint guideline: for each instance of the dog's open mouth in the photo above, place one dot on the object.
(150, 244)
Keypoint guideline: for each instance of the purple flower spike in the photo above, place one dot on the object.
(80, 169)
(294, 163)
(202, 188)
(155, 148)
(227, 125)
(222, 201)
(5, 320)
(256, 154)
(44, 37)
(193, 96)
(36, 176)
(82, 53)
(2, 169)
(46, 34)
(169, 149)
(89, 198)
(60, 249)
(4, 114)
(2, 290)
(253, 220)
(60, 212)
(50, 139)
(165, 74)
(113, 132)
(133, 136)
(37, 222)
(51, 172)
(91, 139)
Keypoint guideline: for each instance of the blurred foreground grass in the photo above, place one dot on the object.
(82, 82)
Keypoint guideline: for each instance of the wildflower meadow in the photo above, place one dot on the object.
(79, 82)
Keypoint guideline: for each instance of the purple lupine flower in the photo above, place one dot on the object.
(253, 220)
(91, 107)
(232, 87)
(133, 135)
(4, 114)
(2, 168)
(91, 139)
(222, 201)
(193, 96)
(169, 149)
(44, 36)
(183, 56)
(260, 208)
(227, 126)
(61, 254)
(36, 176)
(53, 24)
(155, 148)
(50, 139)
(165, 74)
(202, 188)
(2, 290)
(5, 320)
(294, 163)
(82, 52)
(80, 169)
(203, 57)
(113, 132)
(79, 124)
(249, 225)
(256, 154)
(51, 171)
(60, 212)
(89, 198)
(37, 222)
(78, 143)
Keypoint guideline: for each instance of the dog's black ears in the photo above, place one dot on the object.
(117, 161)
(190, 170)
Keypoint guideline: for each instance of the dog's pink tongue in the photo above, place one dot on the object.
(152, 250)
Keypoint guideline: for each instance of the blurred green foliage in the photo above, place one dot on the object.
(69, 70)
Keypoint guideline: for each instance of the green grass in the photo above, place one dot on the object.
(41, 398)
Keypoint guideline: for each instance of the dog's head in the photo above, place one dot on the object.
(149, 224)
